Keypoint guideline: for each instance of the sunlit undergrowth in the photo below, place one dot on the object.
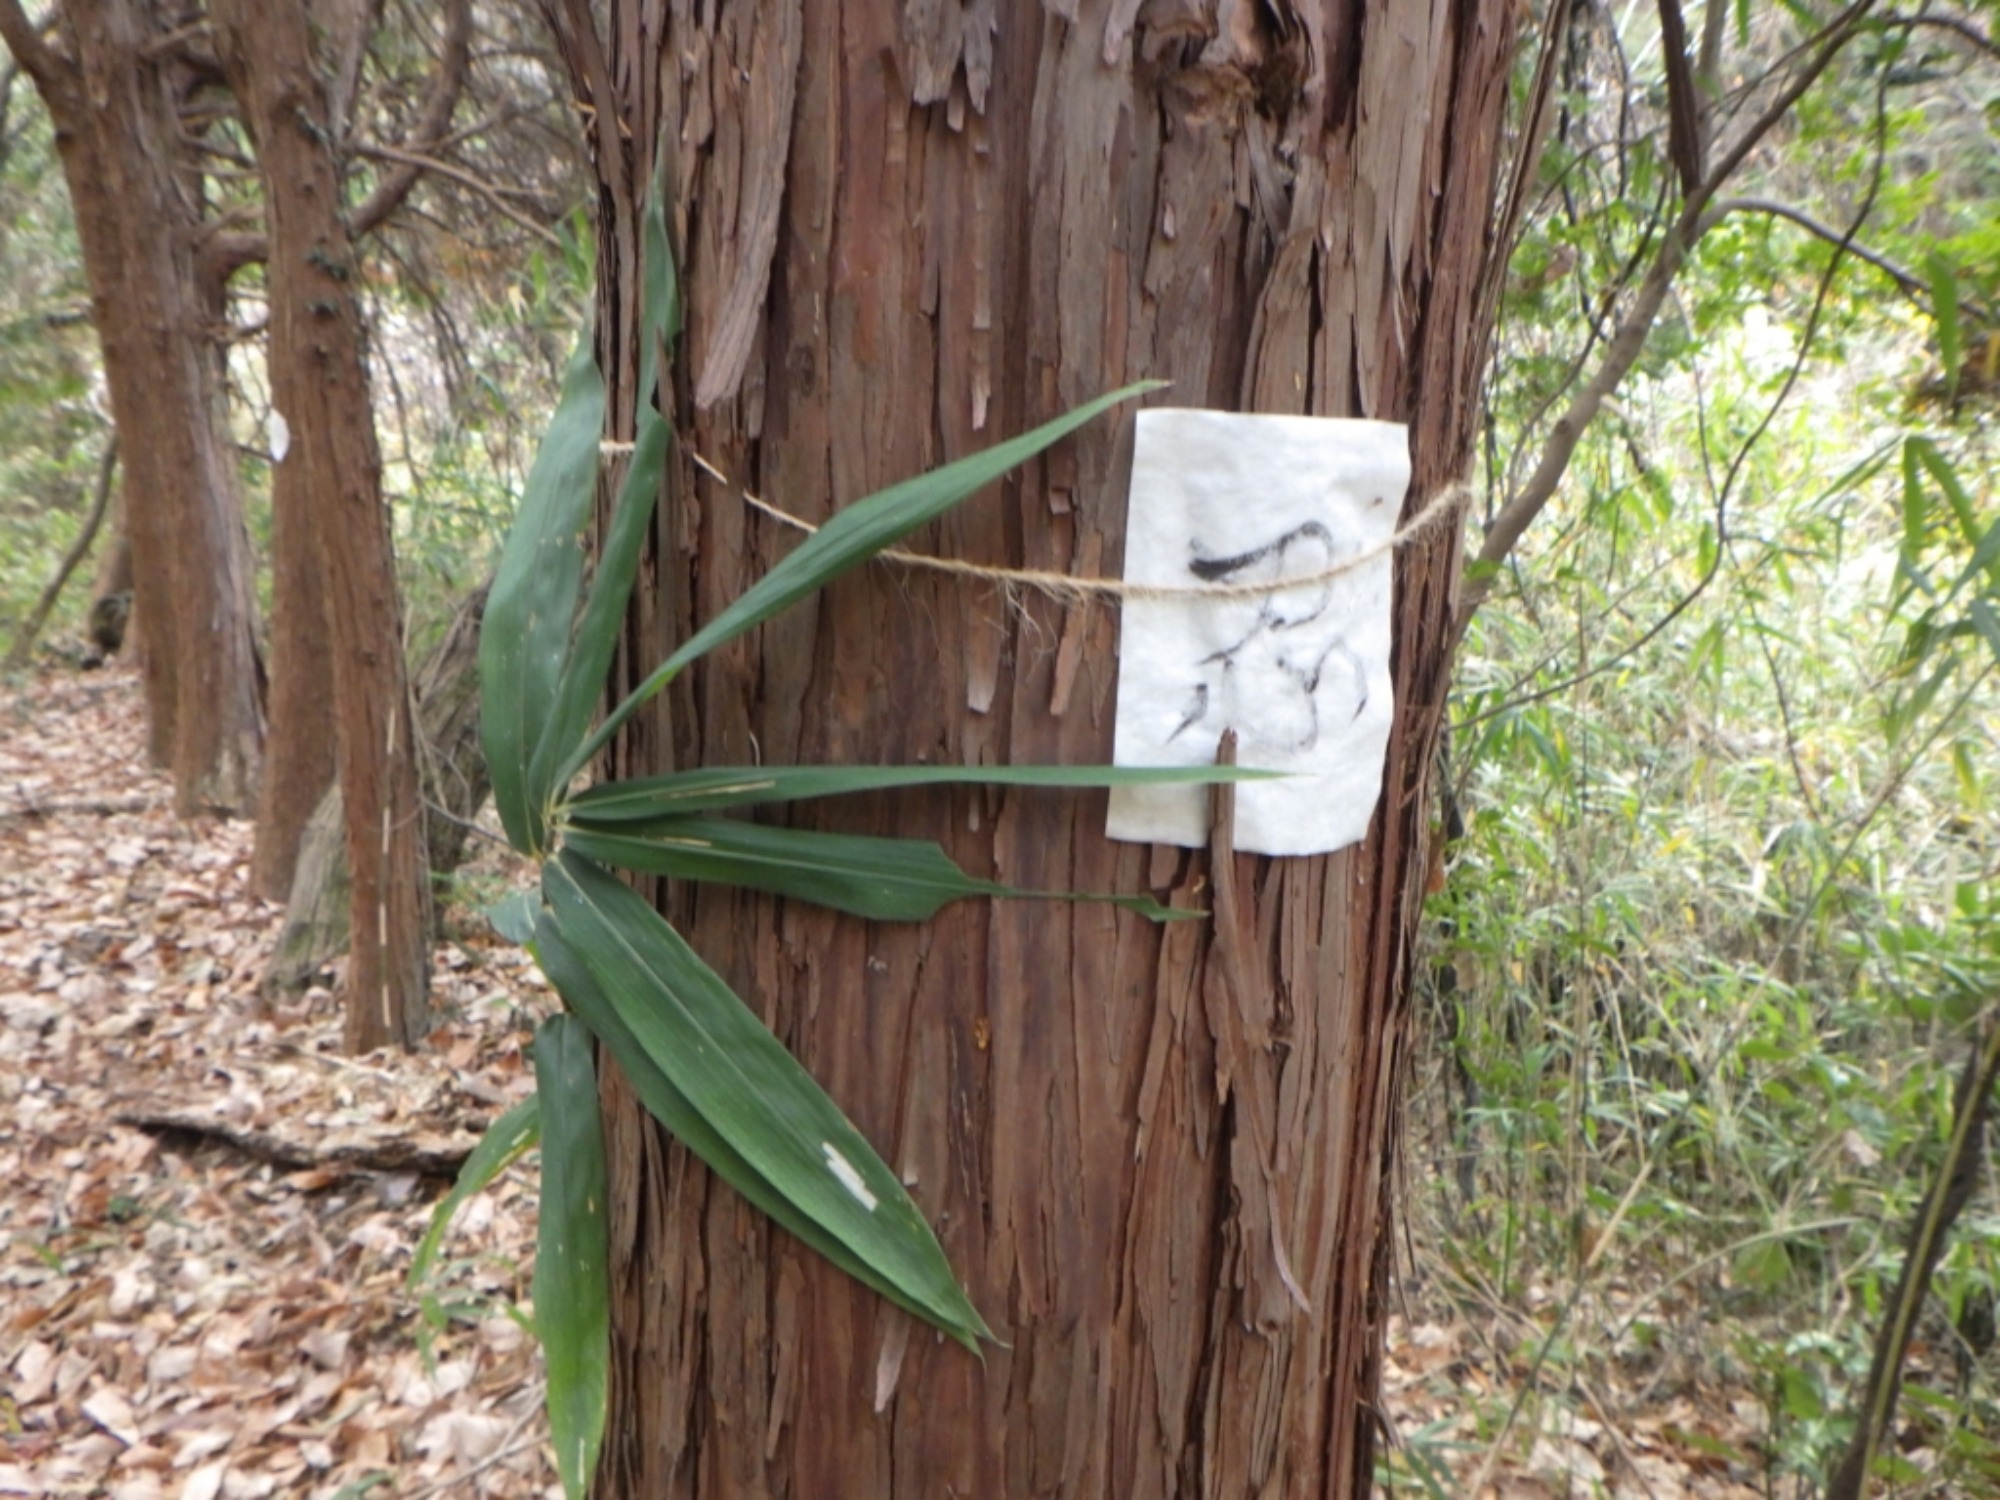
(1718, 922)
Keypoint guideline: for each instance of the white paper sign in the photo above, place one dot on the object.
(1299, 671)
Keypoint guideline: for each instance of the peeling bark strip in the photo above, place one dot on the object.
(1159, 1155)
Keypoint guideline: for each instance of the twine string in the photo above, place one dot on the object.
(1068, 588)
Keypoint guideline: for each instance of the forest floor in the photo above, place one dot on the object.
(207, 1212)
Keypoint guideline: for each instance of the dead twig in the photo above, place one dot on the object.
(387, 1155)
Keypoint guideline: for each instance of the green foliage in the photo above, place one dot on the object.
(572, 1290)
(1720, 924)
(506, 1140)
(52, 429)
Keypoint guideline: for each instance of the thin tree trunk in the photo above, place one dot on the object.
(319, 382)
(907, 232)
(100, 502)
(112, 88)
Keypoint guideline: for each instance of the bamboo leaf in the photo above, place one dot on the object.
(571, 1289)
(849, 539)
(1916, 503)
(589, 656)
(1944, 308)
(505, 1140)
(885, 880)
(1955, 493)
(589, 659)
(749, 1089)
(659, 288)
(669, 1106)
(1987, 624)
(524, 640)
(513, 917)
(713, 788)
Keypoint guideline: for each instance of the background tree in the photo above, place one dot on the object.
(330, 524)
(117, 80)
(301, 762)
(323, 498)
(134, 91)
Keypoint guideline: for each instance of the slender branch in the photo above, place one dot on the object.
(1836, 37)
(1908, 281)
(100, 502)
(1684, 144)
(1957, 25)
(1949, 1192)
(1708, 64)
(222, 254)
(432, 123)
(48, 67)
(1537, 119)
(496, 196)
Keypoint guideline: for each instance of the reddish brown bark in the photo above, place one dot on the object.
(299, 760)
(319, 382)
(113, 86)
(301, 764)
(909, 231)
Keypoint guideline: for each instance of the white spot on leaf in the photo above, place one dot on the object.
(849, 1178)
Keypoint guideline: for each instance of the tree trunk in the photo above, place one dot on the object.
(299, 766)
(113, 88)
(907, 232)
(319, 382)
(451, 769)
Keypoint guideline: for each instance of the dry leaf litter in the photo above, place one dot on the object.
(210, 1305)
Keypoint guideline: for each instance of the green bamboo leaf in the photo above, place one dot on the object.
(1985, 558)
(1986, 624)
(659, 288)
(752, 1092)
(850, 539)
(1955, 493)
(513, 917)
(571, 1289)
(589, 659)
(505, 1140)
(713, 788)
(1944, 309)
(1916, 502)
(885, 880)
(669, 1106)
(524, 640)
(596, 636)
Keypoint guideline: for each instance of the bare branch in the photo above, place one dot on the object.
(493, 194)
(1708, 64)
(1537, 119)
(1958, 25)
(1911, 284)
(48, 67)
(1683, 104)
(432, 123)
(1626, 344)
(100, 502)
